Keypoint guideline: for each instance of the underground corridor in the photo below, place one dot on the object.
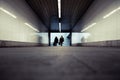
(59, 39)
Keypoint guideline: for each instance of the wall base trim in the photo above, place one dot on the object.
(19, 44)
(111, 43)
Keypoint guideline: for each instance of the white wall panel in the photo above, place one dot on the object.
(105, 29)
(14, 29)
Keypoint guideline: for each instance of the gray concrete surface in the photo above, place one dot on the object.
(60, 63)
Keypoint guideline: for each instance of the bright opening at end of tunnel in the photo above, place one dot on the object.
(55, 39)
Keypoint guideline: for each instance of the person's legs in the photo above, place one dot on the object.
(60, 44)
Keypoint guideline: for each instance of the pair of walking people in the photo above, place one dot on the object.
(61, 40)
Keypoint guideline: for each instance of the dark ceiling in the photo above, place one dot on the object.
(72, 11)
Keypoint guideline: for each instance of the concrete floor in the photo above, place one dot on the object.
(60, 63)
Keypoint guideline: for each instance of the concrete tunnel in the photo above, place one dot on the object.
(91, 47)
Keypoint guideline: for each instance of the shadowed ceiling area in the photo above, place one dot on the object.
(71, 12)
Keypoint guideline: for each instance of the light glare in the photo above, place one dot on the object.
(59, 8)
(31, 27)
(59, 27)
(88, 27)
(112, 12)
(8, 12)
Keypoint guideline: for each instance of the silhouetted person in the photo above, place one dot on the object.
(55, 41)
(61, 40)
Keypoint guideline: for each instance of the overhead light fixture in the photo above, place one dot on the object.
(31, 27)
(7, 12)
(89, 27)
(59, 8)
(112, 12)
(59, 27)
(59, 13)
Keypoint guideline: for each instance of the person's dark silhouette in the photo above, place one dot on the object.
(55, 41)
(61, 40)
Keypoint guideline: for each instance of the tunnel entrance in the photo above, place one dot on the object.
(66, 37)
